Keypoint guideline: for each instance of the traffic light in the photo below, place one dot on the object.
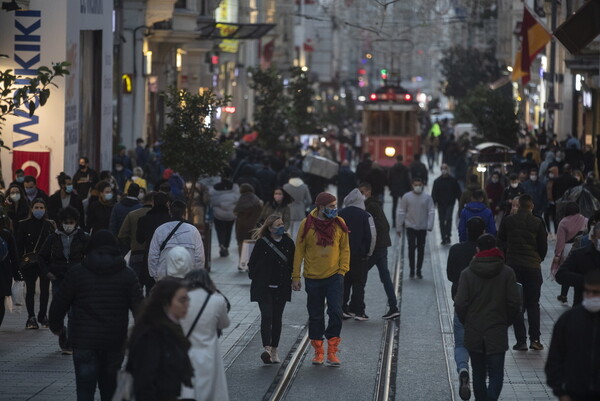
(384, 74)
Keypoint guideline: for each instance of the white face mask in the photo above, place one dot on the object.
(514, 185)
(591, 304)
(418, 189)
(533, 177)
(495, 180)
(551, 175)
(15, 197)
(68, 228)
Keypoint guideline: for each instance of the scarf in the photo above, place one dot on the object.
(324, 229)
(489, 253)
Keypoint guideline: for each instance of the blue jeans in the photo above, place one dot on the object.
(317, 290)
(96, 367)
(461, 355)
(487, 365)
(379, 258)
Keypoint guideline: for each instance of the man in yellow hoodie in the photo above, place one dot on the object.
(322, 243)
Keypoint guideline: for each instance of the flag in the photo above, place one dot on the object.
(267, 54)
(36, 164)
(534, 37)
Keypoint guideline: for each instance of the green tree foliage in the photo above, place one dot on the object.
(30, 96)
(465, 68)
(301, 115)
(272, 107)
(492, 112)
(189, 142)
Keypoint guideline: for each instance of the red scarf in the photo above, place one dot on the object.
(489, 253)
(323, 228)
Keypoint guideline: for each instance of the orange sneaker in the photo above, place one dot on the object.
(332, 349)
(319, 352)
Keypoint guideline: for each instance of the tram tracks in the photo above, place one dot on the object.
(385, 384)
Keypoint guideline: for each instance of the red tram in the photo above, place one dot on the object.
(391, 125)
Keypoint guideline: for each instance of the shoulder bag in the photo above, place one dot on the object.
(275, 249)
(164, 243)
(29, 260)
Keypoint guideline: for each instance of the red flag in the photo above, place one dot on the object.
(36, 164)
(534, 37)
(267, 54)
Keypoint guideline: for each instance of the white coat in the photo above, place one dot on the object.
(209, 379)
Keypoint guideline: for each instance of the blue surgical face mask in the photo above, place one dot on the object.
(30, 191)
(279, 231)
(20, 179)
(68, 188)
(330, 213)
(108, 196)
(38, 214)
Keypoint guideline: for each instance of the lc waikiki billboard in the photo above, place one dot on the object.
(78, 115)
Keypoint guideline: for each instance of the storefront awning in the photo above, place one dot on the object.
(229, 30)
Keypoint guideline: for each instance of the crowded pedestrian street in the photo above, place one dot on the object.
(34, 369)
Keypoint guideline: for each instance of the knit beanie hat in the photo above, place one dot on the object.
(324, 199)
(179, 262)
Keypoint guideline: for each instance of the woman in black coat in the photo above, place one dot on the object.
(31, 235)
(158, 348)
(16, 205)
(9, 264)
(270, 269)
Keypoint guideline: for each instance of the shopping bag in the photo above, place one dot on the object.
(124, 390)
(247, 247)
(18, 293)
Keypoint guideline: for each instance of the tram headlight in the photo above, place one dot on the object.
(390, 151)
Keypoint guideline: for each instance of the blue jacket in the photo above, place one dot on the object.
(537, 190)
(473, 209)
(120, 211)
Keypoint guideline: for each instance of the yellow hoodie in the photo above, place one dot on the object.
(321, 262)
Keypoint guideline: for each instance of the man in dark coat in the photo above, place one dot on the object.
(580, 262)
(84, 179)
(525, 242)
(100, 292)
(418, 169)
(360, 238)
(268, 181)
(127, 204)
(563, 183)
(378, 180)
(363, 167)
(486, 302)
(445, 193)
(399, 184)
(346, 180)
(459, 257)
(573, 364)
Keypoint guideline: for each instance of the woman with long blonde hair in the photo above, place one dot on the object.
(270, 269)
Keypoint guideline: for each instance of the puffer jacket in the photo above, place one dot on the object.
(223, 199)
(524, 239)
(100, 291)
(487, 301)
(475, 209)
(52, 257)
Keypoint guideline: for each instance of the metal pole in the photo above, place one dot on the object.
(551, 78)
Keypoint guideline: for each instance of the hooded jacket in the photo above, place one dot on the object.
(549, 159)
(61, 251)
(382, 225)
(360, 223)
(100, 291)
(301, 199)
(475, 209)
(247, 211)
(486, 302)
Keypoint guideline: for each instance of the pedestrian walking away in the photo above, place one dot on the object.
(9, 261)
(100, 292)
(301, 201)
(270, 269)
(524, 239)
(208, 310)
(459, 257)
(362, 237)
(416, 212)
(445, 193)
(476, 208)
(379, 256)
(487, 302)
(223, 198)
(323, 246)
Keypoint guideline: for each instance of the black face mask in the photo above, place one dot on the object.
(82, 167)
